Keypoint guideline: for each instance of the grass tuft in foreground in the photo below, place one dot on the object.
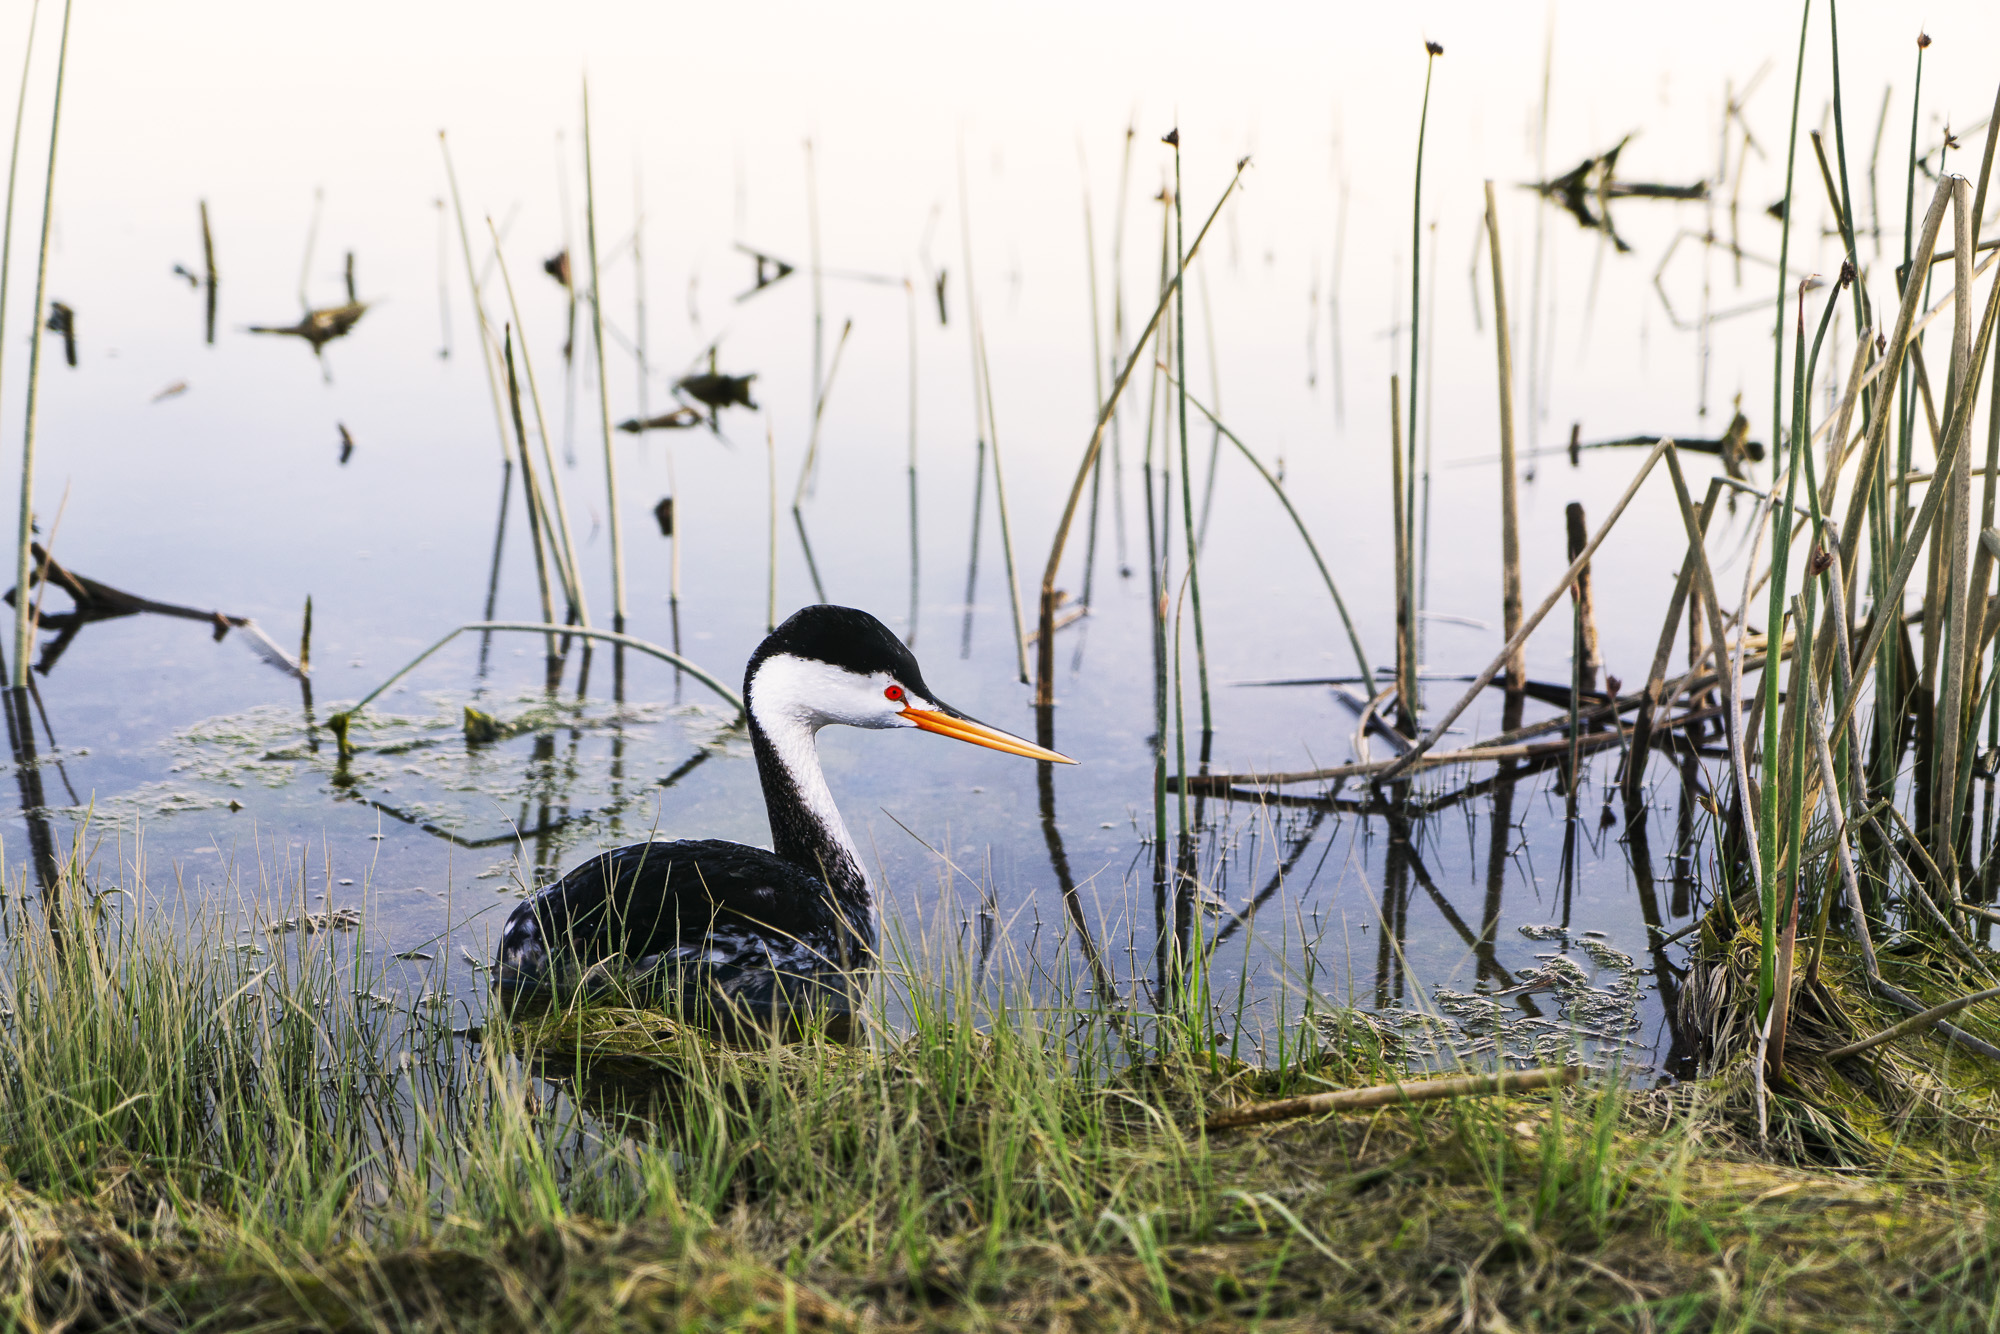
(201, 1136)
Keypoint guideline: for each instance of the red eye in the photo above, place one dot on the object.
(893, 692)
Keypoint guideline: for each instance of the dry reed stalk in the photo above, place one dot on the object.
(1000, 502)
(1653, 691)
(1955, 550)
(534, 502)
(1510, 533)
(1891, 363)
(810, 464)
(23, 627)
(1096, 375)
(566, 552)
(1843, 858)
(1926, 513)
(1045, 651)
(1548, 603)
(1915, 1023)
(1728, 669)
(611, 520)
(1188, 529)
(1389, 1095)
(488, 351)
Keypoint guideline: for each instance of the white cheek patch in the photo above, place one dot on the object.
(815, 694)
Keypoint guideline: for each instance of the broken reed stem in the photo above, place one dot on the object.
(1510, 533)
(1387, 1095)
(1361, 659)
(1520, 637)
(1045, 643)
(1591, 663)
(603, 377)
(209, 274)
(566, 552)
(488, 353)
(1188, 529)
(23, 626)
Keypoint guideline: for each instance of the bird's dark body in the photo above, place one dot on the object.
(738, 933)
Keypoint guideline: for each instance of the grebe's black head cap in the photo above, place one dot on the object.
(843, 637)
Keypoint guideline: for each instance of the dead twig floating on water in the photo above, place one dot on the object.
(1386, 1095)
(101, 602)
(678, 420)
(1596, 179)
(319, 327)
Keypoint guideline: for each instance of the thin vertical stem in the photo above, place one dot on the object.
(1510, 531)
(23, 624)
(566, 552)
(13, 170)
(603, 385)
(488, 352)
(1096, 380)
(910, 299)
(1187, 486)
(771, 462)
(1408, 500)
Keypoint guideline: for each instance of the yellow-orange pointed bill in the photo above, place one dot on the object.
(979, 734)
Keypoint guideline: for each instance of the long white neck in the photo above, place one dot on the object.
(806, 828)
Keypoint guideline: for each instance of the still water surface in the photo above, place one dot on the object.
(211, 475)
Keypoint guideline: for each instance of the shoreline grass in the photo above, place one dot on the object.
(198, 1135)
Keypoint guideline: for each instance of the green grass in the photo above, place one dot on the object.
(201, 1136)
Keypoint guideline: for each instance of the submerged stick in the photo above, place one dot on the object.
(23, 627)
(1385, 1095)
(1520, 636)
(603, 387)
